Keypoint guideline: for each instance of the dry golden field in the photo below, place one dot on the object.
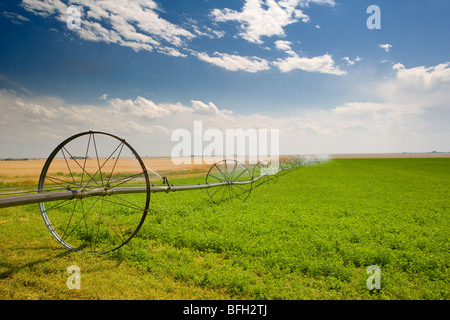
(27, 172)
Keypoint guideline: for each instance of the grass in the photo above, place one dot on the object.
(310, 235)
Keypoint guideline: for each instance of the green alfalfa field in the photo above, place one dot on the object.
(312, 234)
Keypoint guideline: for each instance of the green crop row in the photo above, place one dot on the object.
(312, 234)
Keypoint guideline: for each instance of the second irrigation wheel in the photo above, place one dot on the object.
(264, 171)
(228, 179)
(94, 165)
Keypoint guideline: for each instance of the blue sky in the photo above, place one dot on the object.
(310, 68)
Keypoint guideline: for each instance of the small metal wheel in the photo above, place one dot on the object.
(284, 167)
(98, 219)
(228, 179)
(264, 171)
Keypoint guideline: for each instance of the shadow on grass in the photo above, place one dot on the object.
(14, 268)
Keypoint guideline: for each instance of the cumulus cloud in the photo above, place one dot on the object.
(139, 26)
(45, 8)
(411, 114)
(424, 86)
(34, 117)
(351, 62)
(260, 18)
(423, 77)
(234, 62)
(208, 109)
(387, 47)
(322, 64)
(285, 46)
(135, 24)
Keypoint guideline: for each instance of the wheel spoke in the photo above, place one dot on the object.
(103, 218)
(68, 167)
(213, 176)
(127, 179)
(99, 169)
(232, 172)
(217, 189)
(130, 204)
(82, 168)
(70, 219)
(85, 158)
(97, 222)
(223, 175)
(228, 191)
(115, 163)
(58, 182)
(98, 160)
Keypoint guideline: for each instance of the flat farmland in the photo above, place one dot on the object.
(311, 234)
(16, 173)
(25, 173)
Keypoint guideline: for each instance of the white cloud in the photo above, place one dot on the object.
(305, 3)
(203, 30)
(135, 24)
(425, 86)
(14, 84)
(15, 17)
(423, 77)
(44, 8)
(351, 62)
(411, 114)
(38, 124)
(376, 110)
(260, 18)
(387, 47)
(283, 45)
(235, 62)
(208, 109)
(322, 64)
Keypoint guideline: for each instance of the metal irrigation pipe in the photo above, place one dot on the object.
(92, 206)
(12, 201)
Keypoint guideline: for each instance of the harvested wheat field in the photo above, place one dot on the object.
(27, 172)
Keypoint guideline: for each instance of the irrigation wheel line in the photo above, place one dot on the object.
(264, 172)
(94, 190)
(237, 178)
(98, 220)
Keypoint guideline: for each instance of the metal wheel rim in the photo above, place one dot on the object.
(118, 233)
(233, 172)
(266, 177)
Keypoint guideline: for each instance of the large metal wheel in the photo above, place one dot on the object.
(94, 164)
(234, 179)
(264, 171)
